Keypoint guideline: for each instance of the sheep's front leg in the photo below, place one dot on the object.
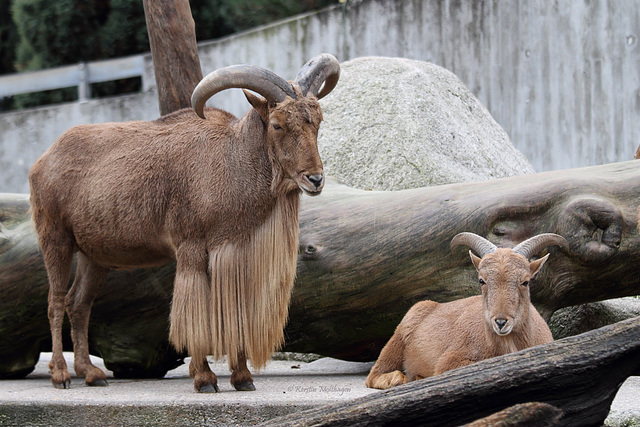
(204, 380)
(241, 377)
(386, 372)
(191, 313)
(89, 279)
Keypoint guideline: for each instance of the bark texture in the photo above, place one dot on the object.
(174, 50)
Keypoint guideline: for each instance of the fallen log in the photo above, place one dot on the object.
(579, 375)
(523, 414)
(365, 258)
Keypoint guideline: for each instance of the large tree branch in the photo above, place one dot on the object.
(579, 375)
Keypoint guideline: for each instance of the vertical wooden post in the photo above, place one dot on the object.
(174, 49)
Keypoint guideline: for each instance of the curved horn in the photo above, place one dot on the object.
(320, 69)
(257, 79)
(478, 244)
(535, 244)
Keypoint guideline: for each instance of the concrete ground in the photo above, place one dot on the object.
(283, 387)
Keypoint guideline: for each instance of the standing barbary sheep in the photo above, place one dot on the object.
(219, 195)
(433, 338)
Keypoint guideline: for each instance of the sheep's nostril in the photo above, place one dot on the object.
(501, 323)
(316, 180)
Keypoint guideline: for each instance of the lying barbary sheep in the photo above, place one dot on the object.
(433, 338)
(217, 194)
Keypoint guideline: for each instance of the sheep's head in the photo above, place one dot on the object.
(290, 115)
(504, 275)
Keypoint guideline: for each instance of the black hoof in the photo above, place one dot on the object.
(245, 386)
(63, 385)
(209, 388)
(98, 383)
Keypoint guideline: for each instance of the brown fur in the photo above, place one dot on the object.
(433, 338)
(220, 196)
(262, 270)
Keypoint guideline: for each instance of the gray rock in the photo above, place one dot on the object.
(395, 123)
(575, 320)
(343, 367)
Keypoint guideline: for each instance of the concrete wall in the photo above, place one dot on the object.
(561, 77)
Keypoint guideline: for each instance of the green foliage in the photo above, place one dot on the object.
(217, 18)
(38, 34)
(8, 38)
(209, 17)
(244, 14)
(124, 31)
(69, 31)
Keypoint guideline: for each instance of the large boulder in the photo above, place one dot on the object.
(394, 123)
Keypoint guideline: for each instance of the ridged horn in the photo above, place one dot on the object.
(477, 244)
(260, 80)
(320, 69)
(535, 244)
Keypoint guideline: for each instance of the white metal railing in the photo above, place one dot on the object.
(80, 75)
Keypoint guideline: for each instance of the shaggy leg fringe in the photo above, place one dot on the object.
(243, 307)
(190, 313)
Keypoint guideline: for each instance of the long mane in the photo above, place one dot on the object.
(245, 305)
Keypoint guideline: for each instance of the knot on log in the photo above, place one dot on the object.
(593, 228)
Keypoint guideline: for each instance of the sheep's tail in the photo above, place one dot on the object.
(190, 313)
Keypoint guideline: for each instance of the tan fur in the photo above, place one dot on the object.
(191, 313)
(251, 286)
(433, 338)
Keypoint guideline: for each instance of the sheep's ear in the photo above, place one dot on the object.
(537, 265)
(475, 260)
(259, 103)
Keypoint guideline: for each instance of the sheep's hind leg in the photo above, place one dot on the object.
(57, 261)
(386, 371)
(204, 380)
(89, 279)
(241, 377)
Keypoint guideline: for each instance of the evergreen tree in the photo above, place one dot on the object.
(8, 38)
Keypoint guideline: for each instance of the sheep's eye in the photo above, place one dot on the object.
(276, 126)
(525, 283)
(482, 282)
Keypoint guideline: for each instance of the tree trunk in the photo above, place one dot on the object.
(579, 375)
(174, 49)
(365, 258)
